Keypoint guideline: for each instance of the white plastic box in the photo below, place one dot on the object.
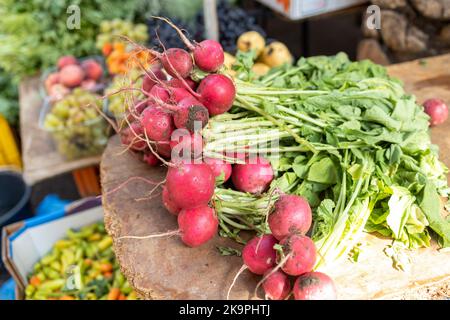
(300, 9)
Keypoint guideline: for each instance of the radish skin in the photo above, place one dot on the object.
(208, 55)
(277, 285)
(259, 255)
(299, 254)
(190, 185)
(437, 110)
(292, 214)
(158, 124)
(219, 168)
(314, 286)
(217, 93)
(254, 177)
(168, 203)
(177, 62)
(197, 225)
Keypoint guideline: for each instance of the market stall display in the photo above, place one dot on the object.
(69, 73)
(83, 266)
(76, 125)
(353, 209)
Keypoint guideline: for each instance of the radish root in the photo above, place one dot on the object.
(242, 269)
(156, 235)
(279, 265)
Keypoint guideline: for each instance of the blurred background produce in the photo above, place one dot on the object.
(118, 101)
(76, 125)
(80, 267)
(70, 73)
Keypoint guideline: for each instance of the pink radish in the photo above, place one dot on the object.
(197, 225)
(437, 110)
(150, 159)
(168, 203)
(163, 149)
(178, 94)
(221, 169)
(253, 177)
(177, 62)
(153, 77)
(277, 285)
(208, 55)
(292, 214)
(160, 93)
(190, 185)
(133, 137)
(177, 83)
(157, 124)
(217, 93)
(299, 254)
(259, 255)
(314, 286)
(186, 145)
(190, 115)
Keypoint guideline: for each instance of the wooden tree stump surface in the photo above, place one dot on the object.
(163, 268)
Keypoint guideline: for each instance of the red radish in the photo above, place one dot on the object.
(163, 148)
(150, 159)
(292, 214)
(190, 115)
(277, 285)
(299, 254)
(177, 62)
(208, 55)
(157, 124)
(314, 286)
(66, 61)
(178, 94)
(254, 177)
(92, 69)
(177, 83)
(89, 84)
(197, 225)
(160, 93)
(217, 93)
(130, 137)
(186, 145)
(190, 185)
(71, 75)
(259, 255)
(168, 203)
(52, 78)
(221, 169)
(437, 110)
(154, 76)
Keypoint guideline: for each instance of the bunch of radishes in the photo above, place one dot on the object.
(288, 252)
(72, 73)
(180, 102)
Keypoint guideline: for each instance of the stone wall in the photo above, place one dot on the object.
(410, 29)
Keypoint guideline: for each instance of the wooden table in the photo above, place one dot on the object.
(163, 268)
(41, 160)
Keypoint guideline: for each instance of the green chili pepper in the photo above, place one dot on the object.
(52, 285)
(105, 243)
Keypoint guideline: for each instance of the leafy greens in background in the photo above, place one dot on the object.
(9, 100)
(34, 32)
